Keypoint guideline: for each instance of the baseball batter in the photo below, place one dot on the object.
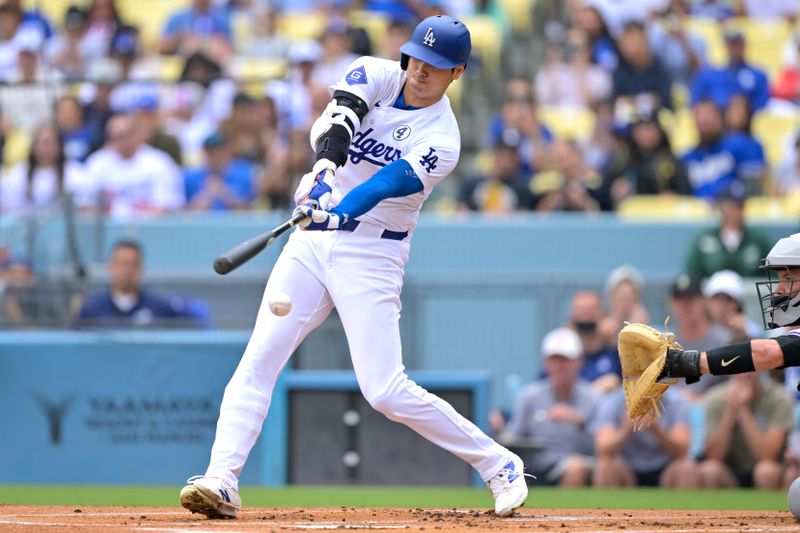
(385, 140)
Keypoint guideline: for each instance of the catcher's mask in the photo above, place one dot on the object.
(779, 296)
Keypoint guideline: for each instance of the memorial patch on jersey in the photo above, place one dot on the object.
(401, 132)
(357, 76)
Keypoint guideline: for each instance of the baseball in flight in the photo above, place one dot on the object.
(280, 304)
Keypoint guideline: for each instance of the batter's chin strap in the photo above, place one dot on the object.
(347, 114)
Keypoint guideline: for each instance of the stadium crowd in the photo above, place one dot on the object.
(576, 105)
(208, 126)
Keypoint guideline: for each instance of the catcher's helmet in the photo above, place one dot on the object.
(779, 310)
(440, 41)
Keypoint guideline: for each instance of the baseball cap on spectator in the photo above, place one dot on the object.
(75, 18)
(29, 40)
(725, 282)
(337, 26)
(15, 260)
(124, 42)
(105, 71)
(215, 140)
(686, 285)
(621, 274)
(734, 35)
(305, 52)
(564, 342)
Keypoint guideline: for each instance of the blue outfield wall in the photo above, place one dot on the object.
(141, 407)
(524, 243)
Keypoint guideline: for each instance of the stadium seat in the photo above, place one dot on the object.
(681, 129)
(568, 122)
(710, 31)
(170, 68)
(150, 16)
(487, 42)
(765, 41)
(773, 130)
(664, 207)
(771, 208)
(301, 26)
(16, 148)
(518, 14)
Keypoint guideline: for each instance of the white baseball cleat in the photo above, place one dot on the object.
(212, 496)
(509, 488)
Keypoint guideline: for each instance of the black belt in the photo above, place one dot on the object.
(351, 225)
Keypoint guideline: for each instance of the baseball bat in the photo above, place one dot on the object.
(244, 252)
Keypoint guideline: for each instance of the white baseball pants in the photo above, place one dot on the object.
(362, 275)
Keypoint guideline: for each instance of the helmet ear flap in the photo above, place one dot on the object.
(403, 61)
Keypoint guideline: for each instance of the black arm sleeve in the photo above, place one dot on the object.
(790, 346)
(334, 144)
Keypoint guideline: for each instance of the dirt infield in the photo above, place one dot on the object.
(279, 520)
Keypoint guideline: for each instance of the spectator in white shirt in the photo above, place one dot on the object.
(134, 178)
(28, 101)
(44, 176)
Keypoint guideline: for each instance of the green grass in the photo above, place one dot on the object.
(425, 497)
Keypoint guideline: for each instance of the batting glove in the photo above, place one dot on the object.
(316, 187)
(319, 220)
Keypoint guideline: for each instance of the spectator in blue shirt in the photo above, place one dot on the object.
(224, 182)
(127, 304)
(738, 122)
(601, 366)
(737, 77)
(201, 27)
(720, 159)
(518, 124)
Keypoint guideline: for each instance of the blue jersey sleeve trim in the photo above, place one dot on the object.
(395, 180)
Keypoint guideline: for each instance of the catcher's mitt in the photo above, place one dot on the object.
(642, 353)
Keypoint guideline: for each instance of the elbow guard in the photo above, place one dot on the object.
(790, 346)
(346, 111)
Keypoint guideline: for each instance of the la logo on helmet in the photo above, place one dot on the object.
(430, 38)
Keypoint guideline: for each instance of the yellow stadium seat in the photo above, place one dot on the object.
(568, 123)
(170, 68)
(16, 148)
(765, 40)
(664, 207)
(375, 24)
(150, 16)
(773, 130)
(255, 69)
(680, 128)
(710, 31)
(301, 26)
(518, 14)
(771, 208)
(487, 41)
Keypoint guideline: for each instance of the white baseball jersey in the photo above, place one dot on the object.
(428, 138)
(360, 273)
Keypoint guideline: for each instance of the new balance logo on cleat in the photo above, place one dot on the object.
(512, 475)
(224, 494)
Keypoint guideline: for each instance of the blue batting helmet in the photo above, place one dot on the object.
(440, 41)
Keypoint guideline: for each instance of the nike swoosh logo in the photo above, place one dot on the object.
(726, 363)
